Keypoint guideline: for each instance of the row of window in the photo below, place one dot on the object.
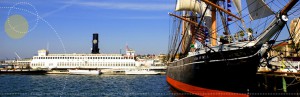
(95, 65)
(85, 54)
(82, 64)
(82, 57)
(38, 64)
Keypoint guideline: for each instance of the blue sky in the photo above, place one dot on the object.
(142, 24)
(68, 25)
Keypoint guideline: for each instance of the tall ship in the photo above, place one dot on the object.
(203, 62)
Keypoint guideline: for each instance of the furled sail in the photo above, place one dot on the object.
(238, 6)
(192, 5)
(195, 6)
(258, 9)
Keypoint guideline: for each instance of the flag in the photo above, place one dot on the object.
(228, 4)
(206, 40)
(229, 19)
(200, 37)
(228, 24)
(192, 46)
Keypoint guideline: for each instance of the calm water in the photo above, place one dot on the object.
(84, 85)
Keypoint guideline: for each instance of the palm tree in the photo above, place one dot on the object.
(221, 37)
(236, 36)
(242, 34)
(250, 32)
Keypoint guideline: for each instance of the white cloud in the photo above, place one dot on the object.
(126, 6)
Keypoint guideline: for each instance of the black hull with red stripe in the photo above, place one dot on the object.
(216, 72)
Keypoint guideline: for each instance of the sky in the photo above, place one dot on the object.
(66, 26)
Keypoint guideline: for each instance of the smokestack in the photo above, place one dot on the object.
(95, 42)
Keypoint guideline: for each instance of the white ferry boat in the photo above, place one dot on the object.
(44, 60)
(140, 71)
(107, 63)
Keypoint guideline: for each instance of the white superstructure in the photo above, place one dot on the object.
(93, 72)
(97, 61)
(140, 71)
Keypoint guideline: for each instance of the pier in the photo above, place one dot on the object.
(286, 83)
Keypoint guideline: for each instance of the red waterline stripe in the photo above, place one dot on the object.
(202, 91)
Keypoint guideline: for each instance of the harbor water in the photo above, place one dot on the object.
(53, 85)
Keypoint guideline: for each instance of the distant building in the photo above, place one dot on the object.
(284, 49)
(162, 58)
(294, 30)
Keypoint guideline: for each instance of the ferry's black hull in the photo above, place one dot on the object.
(23, 72)
(232, 74)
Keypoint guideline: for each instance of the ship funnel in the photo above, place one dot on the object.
(95, 49)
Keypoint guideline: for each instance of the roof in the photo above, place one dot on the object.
(292, 58)
(280, 44)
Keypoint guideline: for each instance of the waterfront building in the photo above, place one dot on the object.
(294, 30)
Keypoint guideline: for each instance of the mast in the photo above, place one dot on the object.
(183, 34)
(213, 38)
(288, 7)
